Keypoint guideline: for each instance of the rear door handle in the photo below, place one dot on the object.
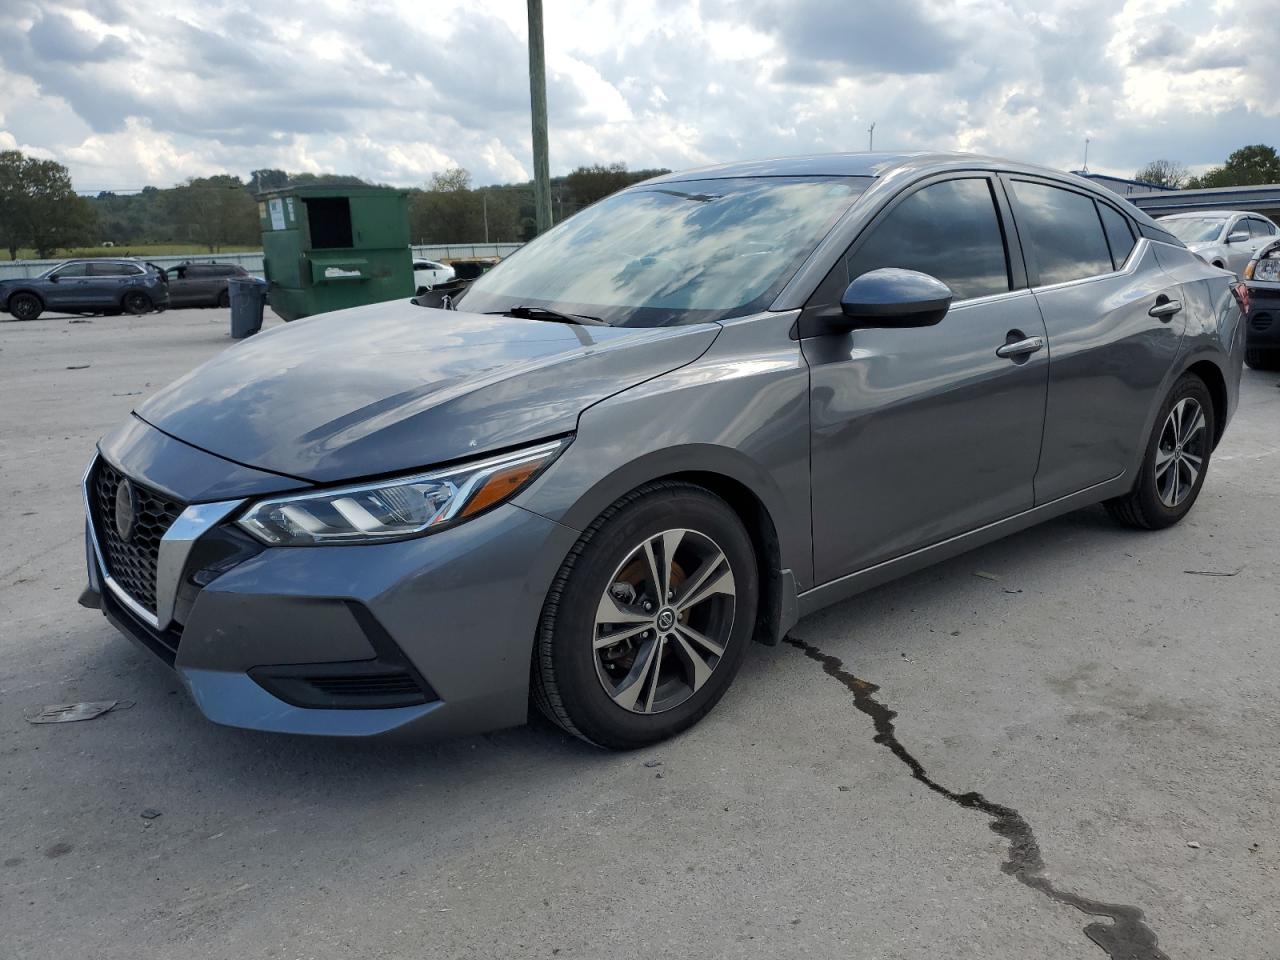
(1020, 348)
(1165, 308)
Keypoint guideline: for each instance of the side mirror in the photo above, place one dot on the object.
(891, 297)
(54, 278)
(1237, 236)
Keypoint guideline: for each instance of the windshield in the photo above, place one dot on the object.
(1194, 229)
(672, 253)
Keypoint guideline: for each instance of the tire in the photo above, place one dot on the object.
(136, 302)
(613, 697)
(1160, 498)
(224, 299)
(25, 306)
(1259, 359)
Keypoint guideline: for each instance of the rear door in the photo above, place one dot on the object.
(918, 435)
(1115, 322)
(107, 282)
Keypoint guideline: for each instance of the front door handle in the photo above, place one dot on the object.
(1020, 348)
(1165, 308)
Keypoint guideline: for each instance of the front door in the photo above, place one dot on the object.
(919, 435)
(67, 288)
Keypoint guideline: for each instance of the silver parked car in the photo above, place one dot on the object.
(1224, 238)
(762, 388)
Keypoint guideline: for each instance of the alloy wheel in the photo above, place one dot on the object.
(1180, 452)
(664, 621)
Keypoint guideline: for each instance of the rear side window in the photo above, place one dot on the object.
(106, 270)
(948, 230)
(1119, 234)
(1064, 232)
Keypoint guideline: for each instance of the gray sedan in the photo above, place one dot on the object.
(762, 388)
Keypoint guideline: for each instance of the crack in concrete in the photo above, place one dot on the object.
(1126, 937)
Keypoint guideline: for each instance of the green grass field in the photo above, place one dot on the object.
(137, 250)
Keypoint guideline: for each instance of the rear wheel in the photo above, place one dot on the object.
(25, 306)
(649, 618)
(136, 302)
(1176, 461)
(1262, 359)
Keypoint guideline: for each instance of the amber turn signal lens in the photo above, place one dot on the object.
(500, 485)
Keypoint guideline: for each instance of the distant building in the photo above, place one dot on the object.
(1158, 201)
(1121, 185)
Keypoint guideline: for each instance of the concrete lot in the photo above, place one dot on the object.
(1121, 708)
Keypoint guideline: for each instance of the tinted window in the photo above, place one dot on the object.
(71, 270)
(1119, 234)
(1260, 228)
(948, 230)
(105, 270)
(1063, 231)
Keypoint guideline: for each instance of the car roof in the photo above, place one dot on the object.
(857, 165)
(1202, 214)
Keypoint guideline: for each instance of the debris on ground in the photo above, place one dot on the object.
(79, 366)
(150, 813)
(79, 321)
(71, 712)
(906, 658)
(1193, 844)
(653, 763)
(986, 576)
(1215, 573)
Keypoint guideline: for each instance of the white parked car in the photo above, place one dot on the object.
(1224, 238)
(429, 273)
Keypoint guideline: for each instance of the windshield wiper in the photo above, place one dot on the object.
(525, 312)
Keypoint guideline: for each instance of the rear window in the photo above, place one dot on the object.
(113, 269)
(1064, 231)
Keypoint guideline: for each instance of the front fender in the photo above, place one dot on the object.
(741, 412)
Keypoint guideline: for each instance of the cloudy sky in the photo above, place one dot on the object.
(152, 92)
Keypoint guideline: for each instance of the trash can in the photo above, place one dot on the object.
(329, 247)
(248, 295)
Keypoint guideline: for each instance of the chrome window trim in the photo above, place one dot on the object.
(1130, 267)
(175, 548)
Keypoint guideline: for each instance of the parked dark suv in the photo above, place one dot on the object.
(202, 284)
(87, 286)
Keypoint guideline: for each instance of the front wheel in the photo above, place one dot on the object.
(25, 306)
(1176, 460)
(648, 619)
(137, 303)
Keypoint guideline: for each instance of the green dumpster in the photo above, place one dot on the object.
(331, 247)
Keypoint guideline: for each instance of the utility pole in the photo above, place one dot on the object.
(1085, 168)
(484, 200)
(871, 137)
(538, 102)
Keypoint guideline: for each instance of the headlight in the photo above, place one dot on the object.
(399, 508)
(1268, 269)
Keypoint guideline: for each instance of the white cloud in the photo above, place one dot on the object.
(146, 92)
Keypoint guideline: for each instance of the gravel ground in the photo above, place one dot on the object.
(1083, 730)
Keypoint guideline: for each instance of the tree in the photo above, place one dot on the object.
(1257, 163)
(1163, 173)
(10, 204)
(260, 181)
(39, 208)
(216, 210)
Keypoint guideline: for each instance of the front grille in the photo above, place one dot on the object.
(131, 564)
(1260, 321)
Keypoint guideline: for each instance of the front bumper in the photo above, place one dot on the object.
(1262, 326)
(434, 635)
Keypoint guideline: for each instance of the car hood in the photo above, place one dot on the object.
(394, 387)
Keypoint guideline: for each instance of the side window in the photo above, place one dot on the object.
(1063, 230)
(107, 269)
(130, 270)
(1259, 228)
(72, 270)
(948, 230)
(1119, 234)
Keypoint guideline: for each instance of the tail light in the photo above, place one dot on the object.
(1241, 291)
